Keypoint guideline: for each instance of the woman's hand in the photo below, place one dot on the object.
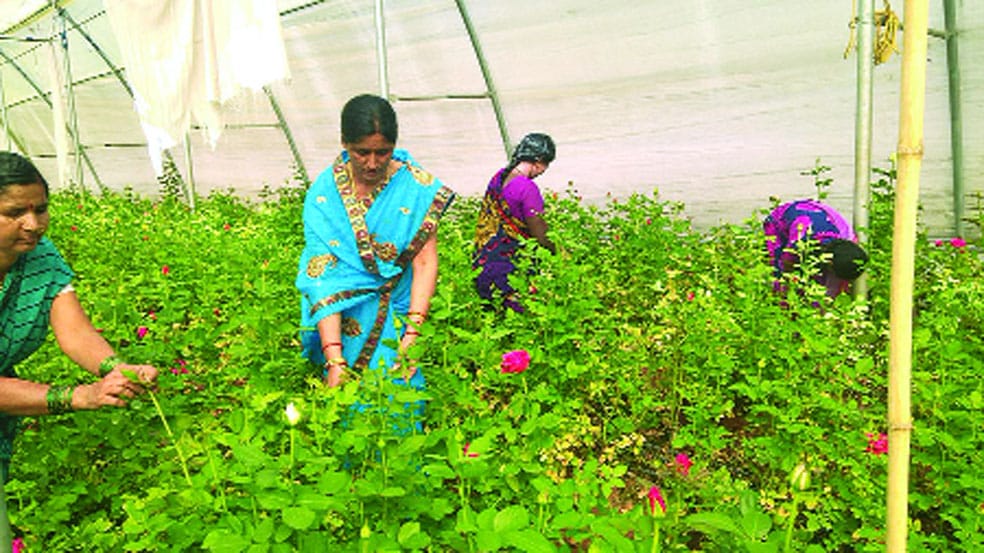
(115, 388)
(146, 374)
(406, 373)
(336, 375)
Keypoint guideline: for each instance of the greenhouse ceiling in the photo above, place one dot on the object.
(719, 104)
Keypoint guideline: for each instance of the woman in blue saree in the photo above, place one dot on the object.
(369, 265)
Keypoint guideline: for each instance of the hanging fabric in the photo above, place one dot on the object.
(186, 58)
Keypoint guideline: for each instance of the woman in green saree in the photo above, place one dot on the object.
(37, 293)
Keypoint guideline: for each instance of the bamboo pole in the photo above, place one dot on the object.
(910, 152)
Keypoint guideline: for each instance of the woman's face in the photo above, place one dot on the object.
(23, 218)
(370, 159)
(539, 167)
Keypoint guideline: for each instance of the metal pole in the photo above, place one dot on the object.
(380, 18)
(290, 137)
(865, 30)
(73, 116)
(3, 113)
(956, 114)
(189, 168)
(487, 75)
(43, 96)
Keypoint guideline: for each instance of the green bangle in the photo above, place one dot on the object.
(107, 365)
(59, 399)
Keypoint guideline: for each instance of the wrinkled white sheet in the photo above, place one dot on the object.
(186, 58)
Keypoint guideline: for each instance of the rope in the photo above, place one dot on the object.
(887, 26)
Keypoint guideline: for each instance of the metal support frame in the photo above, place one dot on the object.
(956, 114)
(379, 18)
(189, 190)
(3, 113)
(493, 94)
(275, 105)
(865, 30)
(73, 116)
(44, 97)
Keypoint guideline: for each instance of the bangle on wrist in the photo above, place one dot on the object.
(59, 399)
(107, 365)
(336, 362)
(329, 344)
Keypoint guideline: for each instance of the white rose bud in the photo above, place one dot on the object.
(293, 415)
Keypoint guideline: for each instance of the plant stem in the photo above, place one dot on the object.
(789, 527)
(167, 428)
(655, 547)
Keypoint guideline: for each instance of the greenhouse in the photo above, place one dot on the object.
(230, 358)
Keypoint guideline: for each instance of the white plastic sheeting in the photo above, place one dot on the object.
(719, 104)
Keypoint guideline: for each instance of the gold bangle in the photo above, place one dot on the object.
(336, 361)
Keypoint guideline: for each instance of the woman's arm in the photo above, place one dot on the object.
(75, 334)
(538, 229)
(422, 288)
(330, 331)
(80, 341)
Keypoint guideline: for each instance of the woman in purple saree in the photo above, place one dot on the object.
(511, 213)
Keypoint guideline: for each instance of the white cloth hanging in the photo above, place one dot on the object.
(185, 59)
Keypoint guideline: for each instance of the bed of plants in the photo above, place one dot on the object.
(669, 401)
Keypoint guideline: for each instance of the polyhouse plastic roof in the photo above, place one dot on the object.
(719, 104)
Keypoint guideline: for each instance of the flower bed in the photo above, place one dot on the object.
(655, 395)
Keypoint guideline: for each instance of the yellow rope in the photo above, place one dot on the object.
(887, 26)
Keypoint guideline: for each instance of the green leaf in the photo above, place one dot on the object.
(393, 491)
(513, 517)
(298, 518)
(713, 522)
(529, 540)
(756, 525)
(223, 541)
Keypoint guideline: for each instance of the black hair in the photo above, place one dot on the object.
(368, 114)
(847, 259)
(533, 147)
(17, 169)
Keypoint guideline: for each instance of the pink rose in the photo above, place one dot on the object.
(515, 361)
(877, 445)
(683, 463)
(141, 332)
(656, 497)
(181, 367)
(958, 242)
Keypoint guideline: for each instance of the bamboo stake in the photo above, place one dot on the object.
(910, 151)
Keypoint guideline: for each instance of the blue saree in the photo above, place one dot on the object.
(357, 259)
